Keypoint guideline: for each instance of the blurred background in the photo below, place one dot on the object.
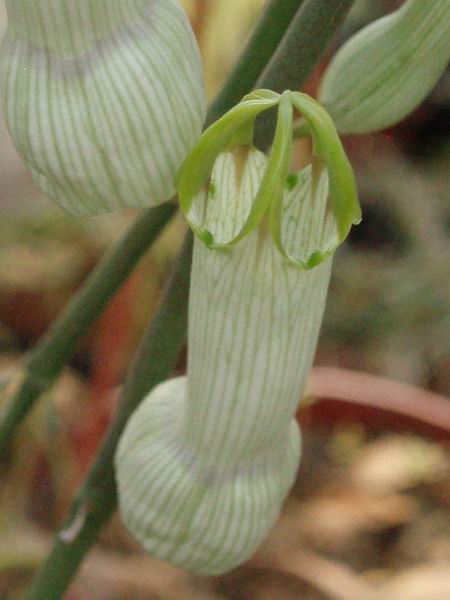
(369, 517)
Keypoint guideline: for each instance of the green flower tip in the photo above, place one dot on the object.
(234, 129)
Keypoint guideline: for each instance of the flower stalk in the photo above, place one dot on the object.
(57, 346)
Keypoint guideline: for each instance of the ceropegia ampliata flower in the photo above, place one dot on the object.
(207, 460)
(103, 98)
(383, 72)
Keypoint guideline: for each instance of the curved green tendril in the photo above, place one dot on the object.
(236, 128)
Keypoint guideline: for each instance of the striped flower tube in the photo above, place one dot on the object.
(103, 98)
(385, 71)
(207, 460)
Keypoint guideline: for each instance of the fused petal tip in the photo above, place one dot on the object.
(235, 130)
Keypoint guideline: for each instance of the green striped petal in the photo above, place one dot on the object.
(385, 71)
(207, 460)
(103, 98)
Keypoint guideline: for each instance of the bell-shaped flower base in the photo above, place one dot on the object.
(183, 508)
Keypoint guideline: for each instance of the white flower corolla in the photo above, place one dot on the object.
(385, 71)
(207, 460)
(103, 98)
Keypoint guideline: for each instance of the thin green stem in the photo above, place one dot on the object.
(96, 500)
(155, 360)
(58, 345)
(308, 36)
(268, 33)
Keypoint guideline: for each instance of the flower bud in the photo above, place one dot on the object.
(236, 128)
(103, 100)
(206, 462)
(385, 71)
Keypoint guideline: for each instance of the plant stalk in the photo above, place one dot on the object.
(59, 343)
(96, 500)
(276, 18)
(307, 38)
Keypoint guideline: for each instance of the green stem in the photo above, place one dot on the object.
(156, 358)
(268, 33)
(308, 36)
(96, 500)
(58, 345)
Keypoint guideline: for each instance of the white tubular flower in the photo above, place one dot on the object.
(385, 71)
(207, 460)
(103, 98)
